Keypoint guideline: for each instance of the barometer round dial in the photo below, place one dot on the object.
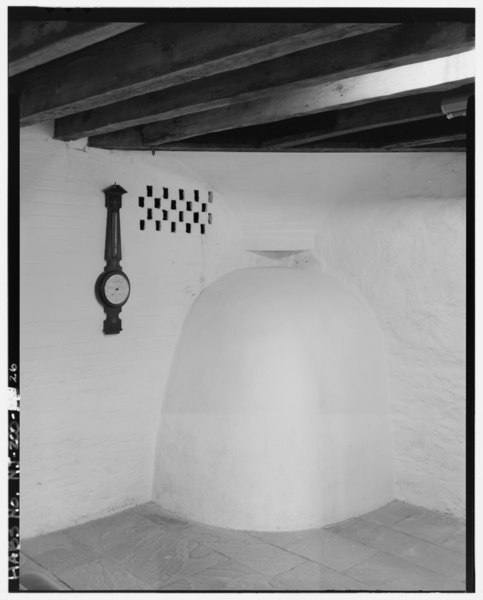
(114, 288)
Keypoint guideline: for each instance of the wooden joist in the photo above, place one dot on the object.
(435, 75)
(33, 43)
(398, 137)
(457, 144)
(324, 126)
(160, 55)
(412, 135)
(433, 129)
(284, 87)
(238, 142)
(233, 141)
(358, 55)
(450, 146)
(346, 148)
(430, 140)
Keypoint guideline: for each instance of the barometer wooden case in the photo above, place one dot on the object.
(112, 286)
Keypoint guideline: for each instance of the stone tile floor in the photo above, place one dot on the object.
(396, 548)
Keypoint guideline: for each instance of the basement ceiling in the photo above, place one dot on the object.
(165, 84)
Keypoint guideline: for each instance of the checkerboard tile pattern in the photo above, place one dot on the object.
(176, 211)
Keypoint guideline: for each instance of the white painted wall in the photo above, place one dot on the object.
(275, 395)
(91, 403)
(408, 260)
(392, 226)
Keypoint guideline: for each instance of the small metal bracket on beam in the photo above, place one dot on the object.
(454, 106)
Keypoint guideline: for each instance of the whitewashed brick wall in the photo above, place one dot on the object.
(392, 226)
(407, 259)
(90, 403)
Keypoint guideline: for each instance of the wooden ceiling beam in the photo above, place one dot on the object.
(436, 75)
(358, 55)
(430, 140)
(158, 56)
(129, 139)
(451, 145)
(457, 144)
(33, 43)
(323, 126)
(328, 148)
(347, 148)
(231, 141)
(439, 130)
(454, 142)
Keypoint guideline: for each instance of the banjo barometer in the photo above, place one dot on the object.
(112, 286)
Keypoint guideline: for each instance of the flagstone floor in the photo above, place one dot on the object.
(399, 547)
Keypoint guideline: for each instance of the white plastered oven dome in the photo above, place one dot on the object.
(276, 410)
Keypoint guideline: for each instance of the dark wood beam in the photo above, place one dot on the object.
(33, 43)
(200, 145)
(358, 55)
(351, 148)
(233, 145)
(449, 145)
(328, 148)
(439, 130)
(429, 134)
(158, 56)
(457, 71)
(240, 140)
(430, 140)
(359, 118)
(129, 139)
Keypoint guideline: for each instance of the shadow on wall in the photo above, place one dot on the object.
(276, 410)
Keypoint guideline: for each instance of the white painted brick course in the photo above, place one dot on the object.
(91, 403)
(394, 231)
(392, 226)
(409, 263)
